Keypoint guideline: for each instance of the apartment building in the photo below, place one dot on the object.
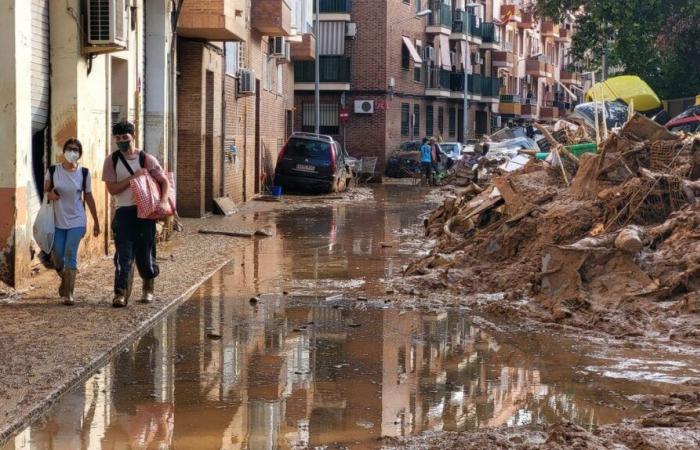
(395, 70)
(235, 95)
(73, 68)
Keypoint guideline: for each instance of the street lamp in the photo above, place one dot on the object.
(317, 72)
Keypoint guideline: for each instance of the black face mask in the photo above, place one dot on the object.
(124, 145)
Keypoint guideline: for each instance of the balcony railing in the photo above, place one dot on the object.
(441, 15)
(509, 98)
(474, 30)
(489, 86)
(457, 81)
(437, 78)
(334, 6)
(333, 69)
(490, 33)
(474, 84)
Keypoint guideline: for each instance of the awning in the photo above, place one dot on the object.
(464, 49)
(412, 50)
(445, 59)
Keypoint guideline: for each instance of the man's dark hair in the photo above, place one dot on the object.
(485, 148)
(123, 127)
(425, 140)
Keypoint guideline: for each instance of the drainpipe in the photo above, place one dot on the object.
(172, 122)
(224, 107)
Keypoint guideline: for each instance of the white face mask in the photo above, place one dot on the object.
(72, 157)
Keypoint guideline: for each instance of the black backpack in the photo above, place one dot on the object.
(118, 156)
(86, 174)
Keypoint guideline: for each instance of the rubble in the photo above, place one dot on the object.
(605, 251)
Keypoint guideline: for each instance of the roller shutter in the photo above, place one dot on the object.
(40, 71)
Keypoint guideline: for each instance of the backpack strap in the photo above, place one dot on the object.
(118, 156)
(52, 170)
(86, 175)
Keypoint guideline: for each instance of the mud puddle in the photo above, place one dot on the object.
(242, 365)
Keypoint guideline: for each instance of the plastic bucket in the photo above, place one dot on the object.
(541, 155)
(277, 191)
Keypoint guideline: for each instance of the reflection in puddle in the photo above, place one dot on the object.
(307, 371)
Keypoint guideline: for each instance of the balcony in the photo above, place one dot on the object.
(535, 67)
(527, 21)
(460, 25)
(335, 74)
(272, 17)
(304, 50)
(549, 29)
(514, 13)
(549, 113)
(474, 85)
(475, 31)
(437, 82)
(489, 88)
(567, 77)
(490, 36)
(564, 35)
(213, 20)
(551, 70)
(509, 104)
(334, 10)
(440, 19)
(503, 59)
(529, 110)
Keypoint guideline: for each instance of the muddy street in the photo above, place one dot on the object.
(295, 344)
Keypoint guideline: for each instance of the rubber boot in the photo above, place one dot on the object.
(148, 289)
(69, 278)
(58, 265)
(121, 300)
(62, 287)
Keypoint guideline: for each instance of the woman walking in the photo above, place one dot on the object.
(69, 187)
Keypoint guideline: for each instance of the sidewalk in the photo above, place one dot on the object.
(47, 347)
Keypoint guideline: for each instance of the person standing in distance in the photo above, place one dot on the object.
(134, 238)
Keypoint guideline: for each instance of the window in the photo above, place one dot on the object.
(405, 57)
(280, 79)
(405, 112)
(329, 118)
(452, 122)
(265, 77)
(441, 120)
(232, 63)
(418, 6)
(416, 120)
(428, 120)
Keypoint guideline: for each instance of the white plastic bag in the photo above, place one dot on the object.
(44, 226)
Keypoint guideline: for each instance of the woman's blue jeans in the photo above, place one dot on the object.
(66, 243)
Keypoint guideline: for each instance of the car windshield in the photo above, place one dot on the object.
(450, 149)
(308, 149)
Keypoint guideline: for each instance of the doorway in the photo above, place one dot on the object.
(482, 123)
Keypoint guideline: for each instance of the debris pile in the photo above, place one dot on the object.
(600, 241)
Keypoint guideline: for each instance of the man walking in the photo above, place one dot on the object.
(134, 238)
(426, 161)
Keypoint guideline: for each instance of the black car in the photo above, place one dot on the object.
(312, 163)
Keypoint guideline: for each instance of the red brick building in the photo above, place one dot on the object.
(398, 67)
(235, 95)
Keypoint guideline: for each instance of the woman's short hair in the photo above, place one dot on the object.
(75, 142)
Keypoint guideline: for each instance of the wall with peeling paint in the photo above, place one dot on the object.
(15, 140)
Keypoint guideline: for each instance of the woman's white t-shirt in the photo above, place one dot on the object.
(69, 211)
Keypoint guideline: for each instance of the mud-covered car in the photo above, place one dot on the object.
(405, 161)
(312, 163)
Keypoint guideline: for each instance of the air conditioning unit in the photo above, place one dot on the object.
(429, 53)
(278, 47)
(351, 30)
(286, 57)
(108, 23)
(364, 106)
(246, 82)
(528, 79)
(476, 58)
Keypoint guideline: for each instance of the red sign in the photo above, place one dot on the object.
(344, 115)
(380, 105)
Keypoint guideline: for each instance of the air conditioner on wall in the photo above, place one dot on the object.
(476, 58)
(364, 106)
(278, 46)
(108, 23)
(351, 30)
(429, 53)
(246, 82)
